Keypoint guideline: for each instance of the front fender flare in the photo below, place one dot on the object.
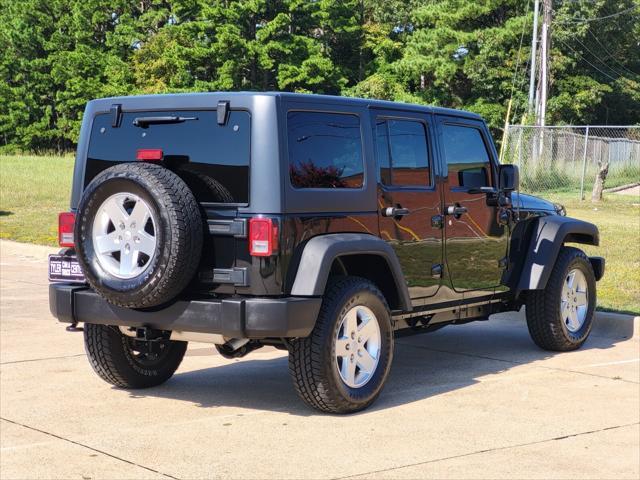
(548, 236)
(320, 252)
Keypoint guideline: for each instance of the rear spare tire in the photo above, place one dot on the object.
(139, 235)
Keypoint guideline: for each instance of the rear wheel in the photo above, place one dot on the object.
(342, 366)
(127, 362)
(560, 316)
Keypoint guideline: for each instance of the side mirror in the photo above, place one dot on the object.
(508, 178)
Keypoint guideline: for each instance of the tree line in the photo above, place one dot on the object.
(55, 55)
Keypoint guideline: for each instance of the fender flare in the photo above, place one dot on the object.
(320, 252)
(549, 235)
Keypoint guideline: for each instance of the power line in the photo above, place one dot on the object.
(587, 20)
(582, 56)
(610, 54)
(599, 59)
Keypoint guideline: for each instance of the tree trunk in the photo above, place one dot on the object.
(598, 186)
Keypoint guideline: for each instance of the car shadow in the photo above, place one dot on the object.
(424, 366)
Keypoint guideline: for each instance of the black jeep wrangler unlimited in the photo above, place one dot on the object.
(316, 224)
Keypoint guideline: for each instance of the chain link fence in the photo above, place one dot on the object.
(568, 159)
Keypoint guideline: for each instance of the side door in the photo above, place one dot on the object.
(408, 199)
(476, 231)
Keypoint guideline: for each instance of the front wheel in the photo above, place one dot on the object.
(342, 366)
(560, 316)
(127, 362)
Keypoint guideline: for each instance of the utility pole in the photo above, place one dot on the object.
(534, 54)
(544, 61)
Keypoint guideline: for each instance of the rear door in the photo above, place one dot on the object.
(408, 199)
(476, 236)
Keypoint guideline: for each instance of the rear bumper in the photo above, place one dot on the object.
(238, 317)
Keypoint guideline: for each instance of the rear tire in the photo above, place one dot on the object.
(113, 357)
(560, 317)
(323, 378)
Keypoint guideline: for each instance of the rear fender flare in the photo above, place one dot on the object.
(320, 252)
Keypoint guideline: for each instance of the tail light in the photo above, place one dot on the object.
(66, 222)
(263, 237)
(149, 155)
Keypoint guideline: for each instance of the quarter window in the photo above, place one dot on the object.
(325, 150)
(402, 152)
(467, 157)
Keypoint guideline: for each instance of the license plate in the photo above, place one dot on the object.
(63, 268)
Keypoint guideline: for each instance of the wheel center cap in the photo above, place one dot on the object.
(127, 235)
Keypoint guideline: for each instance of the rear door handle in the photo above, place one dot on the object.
(395, 212)
(456, 210)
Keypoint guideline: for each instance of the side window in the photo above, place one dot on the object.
(466, 156)
(325, 150)
(403, 157)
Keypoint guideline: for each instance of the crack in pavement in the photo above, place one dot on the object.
(43, 359)
(496, 449)
(89, 447)
(513, 362)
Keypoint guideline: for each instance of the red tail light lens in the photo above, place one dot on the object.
(149, 155)
(263, 237)
(66, 222)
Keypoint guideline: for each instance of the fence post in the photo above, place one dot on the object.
(584, 163)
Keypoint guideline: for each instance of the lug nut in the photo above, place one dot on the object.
(121, 225)
(352, 357)
(347, 346)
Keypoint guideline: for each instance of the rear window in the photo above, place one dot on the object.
(199, 145)
(325, 150)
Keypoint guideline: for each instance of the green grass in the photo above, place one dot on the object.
(618, 219)
(33, 190)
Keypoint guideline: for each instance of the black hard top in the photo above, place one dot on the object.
(304, 98)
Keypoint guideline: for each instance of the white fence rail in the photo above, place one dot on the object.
(569, 158)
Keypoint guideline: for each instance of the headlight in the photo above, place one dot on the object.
(560, 210)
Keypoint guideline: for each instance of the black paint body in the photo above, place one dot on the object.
(455, 267)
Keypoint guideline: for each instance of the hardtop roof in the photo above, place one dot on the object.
(312, 98)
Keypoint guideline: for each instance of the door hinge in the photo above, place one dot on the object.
(238, 276)
(504, 216)
(436, 270)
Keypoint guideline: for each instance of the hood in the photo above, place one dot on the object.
(531, 202)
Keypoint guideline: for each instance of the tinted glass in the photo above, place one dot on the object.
(325, 150)
(466, 156)
(201, 148)
(402, 152)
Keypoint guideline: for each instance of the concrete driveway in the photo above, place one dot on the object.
(472, 401)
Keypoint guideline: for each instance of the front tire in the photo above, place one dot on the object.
(126, 362)
(560, 317)
(342, 366)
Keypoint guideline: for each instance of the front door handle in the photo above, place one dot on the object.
(456, 210)
(395, 212)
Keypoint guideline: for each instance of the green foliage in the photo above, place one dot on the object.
(55, 55)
